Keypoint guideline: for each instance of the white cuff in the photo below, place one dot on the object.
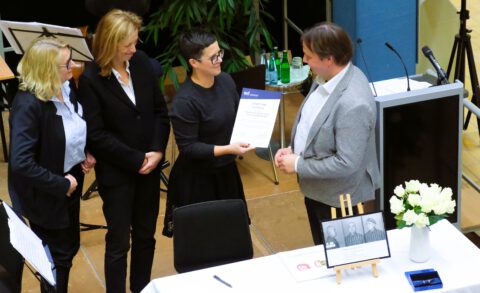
(296, 164)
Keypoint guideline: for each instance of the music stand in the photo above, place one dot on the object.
(21, 34)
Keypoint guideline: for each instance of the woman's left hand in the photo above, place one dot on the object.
(89, 163)
(152, 160)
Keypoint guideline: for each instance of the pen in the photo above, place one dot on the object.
(221, 281)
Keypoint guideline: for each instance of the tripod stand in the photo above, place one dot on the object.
(463, 47)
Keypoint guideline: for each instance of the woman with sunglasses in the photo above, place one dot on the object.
(203, 115)
(48, 137)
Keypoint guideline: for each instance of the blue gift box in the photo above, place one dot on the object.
(424, 279)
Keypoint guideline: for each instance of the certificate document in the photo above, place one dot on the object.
(256, 117)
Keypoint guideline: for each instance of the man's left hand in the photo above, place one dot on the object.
(287, 163)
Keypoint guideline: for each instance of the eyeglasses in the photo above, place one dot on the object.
(215, 58)
(68, 65)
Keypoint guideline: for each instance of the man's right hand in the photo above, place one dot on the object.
(73, 184)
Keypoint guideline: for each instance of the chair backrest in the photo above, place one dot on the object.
(211, 233)
(10, 260)
(252, 77)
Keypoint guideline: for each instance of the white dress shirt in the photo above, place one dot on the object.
(127, 88)
(312, 107)
(74, 126)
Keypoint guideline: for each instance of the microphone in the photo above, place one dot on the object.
(442, 76)
(403, 63)
(359, 41)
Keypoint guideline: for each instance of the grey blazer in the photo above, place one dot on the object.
(340, 155)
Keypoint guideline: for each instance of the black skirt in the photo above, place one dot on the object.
(189, 184)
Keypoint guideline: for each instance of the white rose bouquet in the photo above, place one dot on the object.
(420, 204)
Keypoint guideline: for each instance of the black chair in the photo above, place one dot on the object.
(11, 262)
(254, 78)
(210, 233)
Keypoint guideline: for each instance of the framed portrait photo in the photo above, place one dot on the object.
(354, 239)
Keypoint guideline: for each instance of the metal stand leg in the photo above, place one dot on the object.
(462, 52)
(275, 176)
(163, 177)
(3, 95)
(93, 187)
(4, 141)
(282, 120)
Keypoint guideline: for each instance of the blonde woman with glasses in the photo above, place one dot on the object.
(128, 130)
(203, 115)
(48, 137)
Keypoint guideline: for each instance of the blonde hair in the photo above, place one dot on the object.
(38, 68)
(114, 27)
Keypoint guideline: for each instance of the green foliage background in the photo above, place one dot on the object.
(238, 24)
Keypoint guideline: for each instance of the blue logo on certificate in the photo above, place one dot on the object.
(259, 94)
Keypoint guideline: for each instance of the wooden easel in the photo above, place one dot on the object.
(372, 262)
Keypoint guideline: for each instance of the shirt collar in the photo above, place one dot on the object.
(65, 88)
(330, 85)
(117, 74)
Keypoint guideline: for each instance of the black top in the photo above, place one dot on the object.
(204, 117)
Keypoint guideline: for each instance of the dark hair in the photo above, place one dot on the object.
(328, 39)
(192, 43)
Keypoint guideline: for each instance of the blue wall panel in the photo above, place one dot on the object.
(377, 22)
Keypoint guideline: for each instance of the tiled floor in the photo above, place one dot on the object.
(277, 212)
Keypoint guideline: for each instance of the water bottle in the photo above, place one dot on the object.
(272, 70)
(263, 60)
(285, 68)
(277, 61)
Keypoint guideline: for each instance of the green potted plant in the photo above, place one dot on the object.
(238, 25)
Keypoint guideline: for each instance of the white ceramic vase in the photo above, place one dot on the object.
(420, 249)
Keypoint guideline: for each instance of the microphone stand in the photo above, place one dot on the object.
(401, 61)
(359, 42)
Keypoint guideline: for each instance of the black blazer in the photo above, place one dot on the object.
(36, 182)
(119, 133)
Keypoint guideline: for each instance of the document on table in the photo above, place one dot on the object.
(29, 245)
(256, 117)
(306, 264)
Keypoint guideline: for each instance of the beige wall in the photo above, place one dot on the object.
(437, 27)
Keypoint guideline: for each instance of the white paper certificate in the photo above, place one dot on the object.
(256, 117)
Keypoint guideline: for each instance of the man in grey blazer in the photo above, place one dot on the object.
(333, 137)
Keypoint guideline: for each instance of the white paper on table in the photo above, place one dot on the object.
(256, 117)
(29, 245)
(306, 264)
(397, 85)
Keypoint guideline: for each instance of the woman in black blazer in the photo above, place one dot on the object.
(47, 142)
(128, 129)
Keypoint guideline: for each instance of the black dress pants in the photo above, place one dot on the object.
(63, 243)
(131, 210)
